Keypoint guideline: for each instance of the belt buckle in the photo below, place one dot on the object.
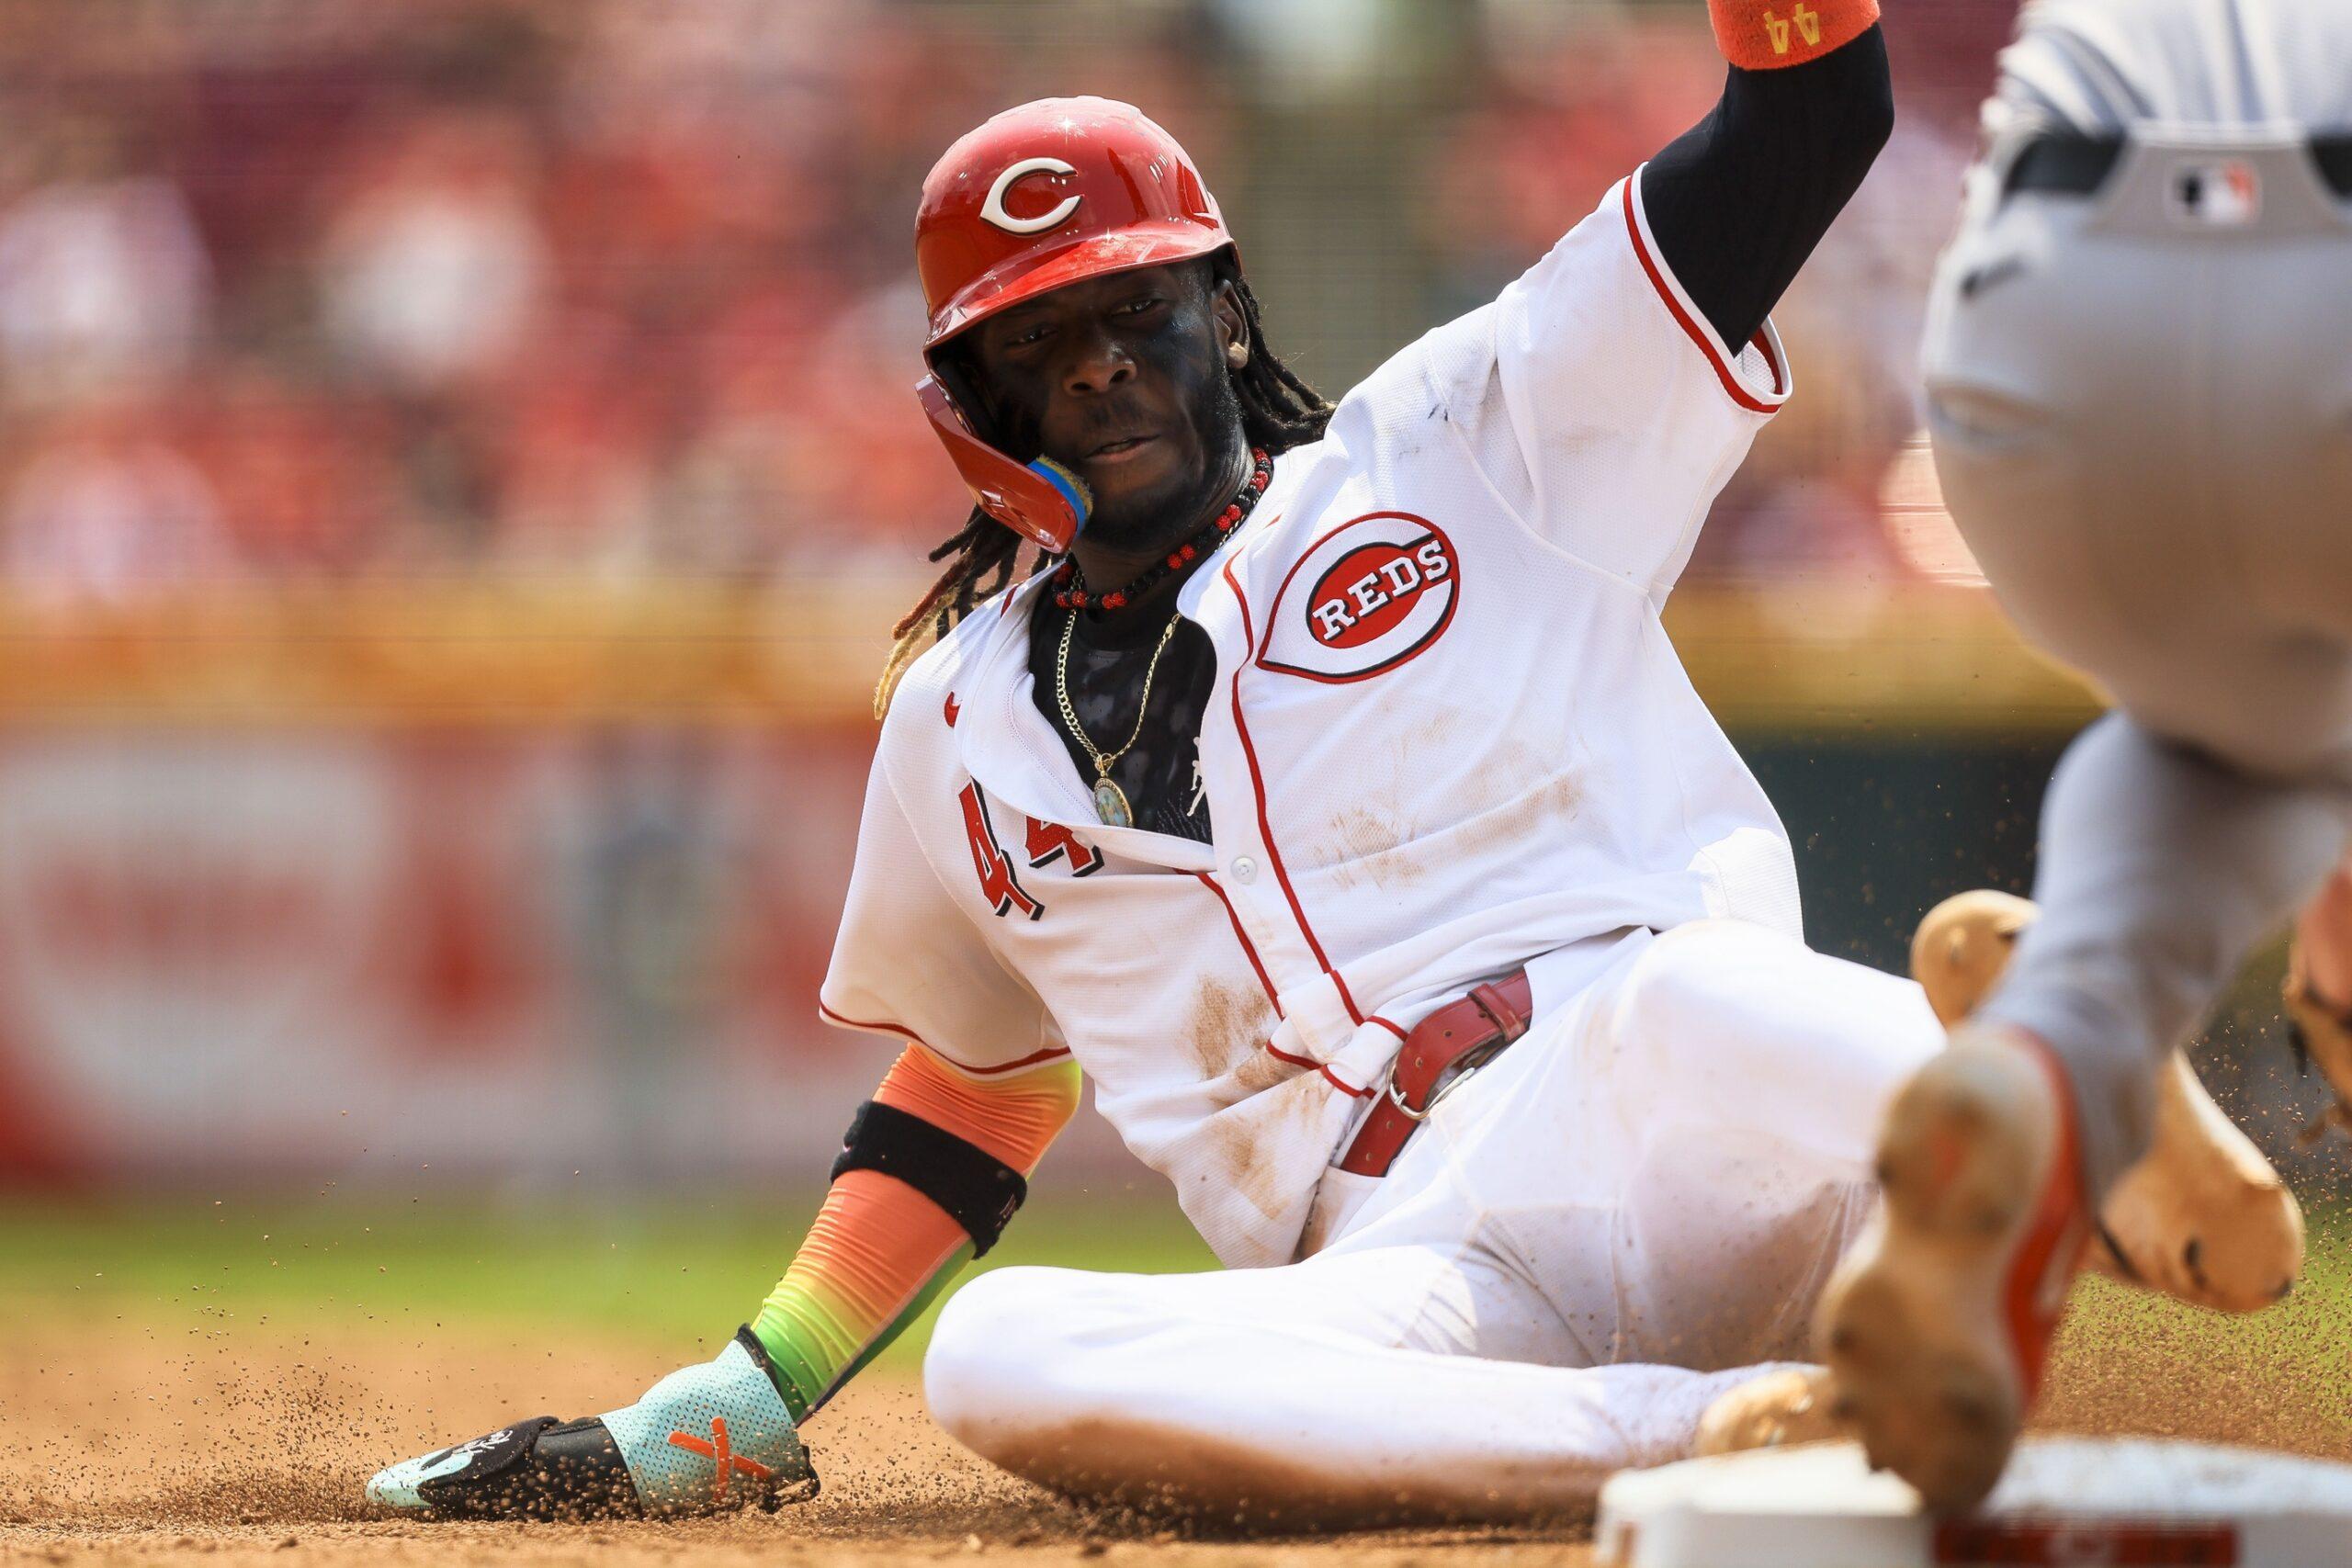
(1465, 1066)
(1507, 1023)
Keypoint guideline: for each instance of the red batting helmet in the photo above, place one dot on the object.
(1048, 194)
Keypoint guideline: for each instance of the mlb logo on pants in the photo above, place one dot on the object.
(2216, 196)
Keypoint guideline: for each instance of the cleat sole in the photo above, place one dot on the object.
(1912, 1325)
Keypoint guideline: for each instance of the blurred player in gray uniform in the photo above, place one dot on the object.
(2139, 366)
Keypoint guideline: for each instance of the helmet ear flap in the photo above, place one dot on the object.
(948, 366)
(1042, 501)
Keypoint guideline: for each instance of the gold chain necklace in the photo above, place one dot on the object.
(1110, 801)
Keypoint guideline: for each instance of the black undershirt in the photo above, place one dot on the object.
(1108, 656)
(1736, 203)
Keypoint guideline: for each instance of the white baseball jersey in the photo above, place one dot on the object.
(1448, 738)
(2100, 65)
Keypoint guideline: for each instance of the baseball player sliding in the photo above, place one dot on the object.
(2141, 407)
(1318, 778)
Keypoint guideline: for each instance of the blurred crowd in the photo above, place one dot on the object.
(310, 288)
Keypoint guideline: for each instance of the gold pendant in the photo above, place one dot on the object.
(1111, 806)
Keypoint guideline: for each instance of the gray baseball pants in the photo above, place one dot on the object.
(2141, 401)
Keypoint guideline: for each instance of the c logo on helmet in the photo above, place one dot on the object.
(993, 209)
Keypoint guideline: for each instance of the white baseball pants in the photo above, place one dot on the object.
(1617, 1221)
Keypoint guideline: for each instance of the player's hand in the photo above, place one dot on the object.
(711, 1436)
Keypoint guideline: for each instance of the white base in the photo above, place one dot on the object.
(2112, 1502)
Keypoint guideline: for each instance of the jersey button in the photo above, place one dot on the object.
(1245, 870)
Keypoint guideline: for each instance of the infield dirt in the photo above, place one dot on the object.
(248, 1444)
(239, 1442)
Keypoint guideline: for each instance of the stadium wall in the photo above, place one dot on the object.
(388, 888)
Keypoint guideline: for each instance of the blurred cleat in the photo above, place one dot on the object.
(1937, 1327)
(2203, 1216)
(1962, 946)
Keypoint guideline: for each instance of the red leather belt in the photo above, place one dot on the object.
(1461, 1035)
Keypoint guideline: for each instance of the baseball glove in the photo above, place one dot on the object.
(704, 1440)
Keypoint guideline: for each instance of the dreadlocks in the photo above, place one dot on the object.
(1279, 411)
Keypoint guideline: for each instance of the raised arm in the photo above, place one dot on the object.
(1738, 201)
(1612, 388)
(931, 1168)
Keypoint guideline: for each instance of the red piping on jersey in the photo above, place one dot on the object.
(1739, 393)
(1267, 1046)
(1047, 1054)
(1243, 938)
(1279, 1054)
(1349, 1090)
(1276, 1052)
(1396, 1029)
(1265, 826)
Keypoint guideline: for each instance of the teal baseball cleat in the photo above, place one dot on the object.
(706, 1438)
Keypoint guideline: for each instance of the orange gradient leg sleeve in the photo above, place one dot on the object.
(880, 1252)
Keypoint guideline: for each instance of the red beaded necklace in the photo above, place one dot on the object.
(1069, 582)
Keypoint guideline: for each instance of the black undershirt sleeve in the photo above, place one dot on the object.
(1738, 201)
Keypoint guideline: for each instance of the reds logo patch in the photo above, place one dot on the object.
(1366, 597)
